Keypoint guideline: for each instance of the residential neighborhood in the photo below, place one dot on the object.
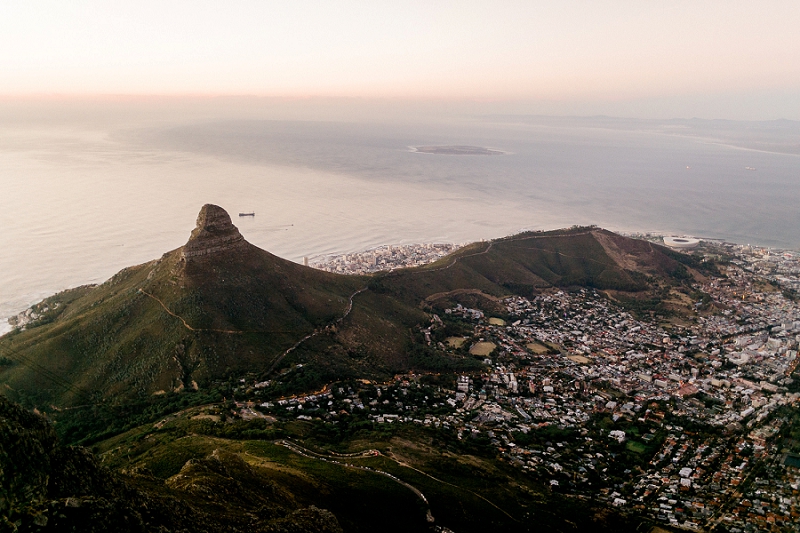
(386, 257)
(691, 421)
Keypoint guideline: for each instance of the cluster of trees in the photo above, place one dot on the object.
(89, 424)
(256, 429)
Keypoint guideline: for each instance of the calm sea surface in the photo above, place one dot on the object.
(78, 203)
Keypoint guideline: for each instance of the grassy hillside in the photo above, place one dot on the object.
(528, 262)
(186, 322)
(369, 479)
(47, 487)
(198, 472)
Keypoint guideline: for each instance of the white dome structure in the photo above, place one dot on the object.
(681, 242)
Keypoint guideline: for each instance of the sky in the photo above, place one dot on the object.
(711, 59)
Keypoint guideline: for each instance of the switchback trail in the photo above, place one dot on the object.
(239, 331)
(406, 465)
(278, 359)
(455, 260)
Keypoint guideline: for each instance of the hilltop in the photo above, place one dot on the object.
(219, 307)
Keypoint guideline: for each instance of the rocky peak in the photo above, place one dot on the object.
(214, 233)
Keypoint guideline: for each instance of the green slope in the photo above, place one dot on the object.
(179, 476)
(163, 325)
(528, 262)
(220, 308)
(46, 487)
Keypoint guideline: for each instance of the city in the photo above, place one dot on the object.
(689, 420)
(387, 257)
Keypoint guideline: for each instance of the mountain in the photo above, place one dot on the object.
(219, 308)
(215, 305)
(148, 368)
(529, 262)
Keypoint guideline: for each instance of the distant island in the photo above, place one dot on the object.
(457, 150)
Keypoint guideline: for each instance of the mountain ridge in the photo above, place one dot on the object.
(220, 307)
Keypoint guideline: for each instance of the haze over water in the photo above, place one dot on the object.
(81, 201)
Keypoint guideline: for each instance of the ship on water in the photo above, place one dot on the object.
(252, 214)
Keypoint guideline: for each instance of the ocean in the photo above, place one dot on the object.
(82, 200)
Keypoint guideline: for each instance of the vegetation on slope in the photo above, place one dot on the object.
(47, 487)
(199, 472)
(174, 325)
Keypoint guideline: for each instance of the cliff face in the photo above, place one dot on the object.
(214, 233)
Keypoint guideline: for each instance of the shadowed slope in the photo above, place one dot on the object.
(220, 307)
(47, 487)
(217, 305)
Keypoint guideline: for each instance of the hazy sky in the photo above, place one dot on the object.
(717, 59)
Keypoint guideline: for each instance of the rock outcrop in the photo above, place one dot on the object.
(214, 233)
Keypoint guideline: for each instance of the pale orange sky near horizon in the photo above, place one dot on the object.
(731, 59)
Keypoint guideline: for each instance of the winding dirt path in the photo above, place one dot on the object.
(305, 452)
(316, 331)
(289, 350)
(365, 454)
(455, 260)
(400, 463)
(186, 324)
